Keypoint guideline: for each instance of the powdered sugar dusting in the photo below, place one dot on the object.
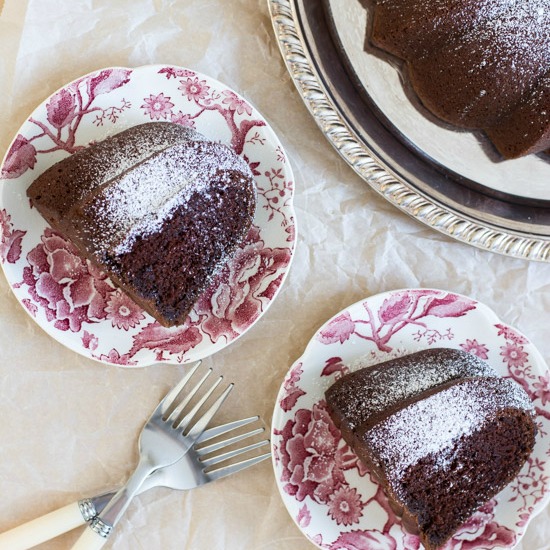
(433, 425)
(499, 59)
(138, 202)
(519, 32)
(127, 149)
(372, 390)
(471, 63)
(61, 188)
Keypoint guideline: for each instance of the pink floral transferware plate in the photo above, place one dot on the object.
(77, 304)
(329, 494)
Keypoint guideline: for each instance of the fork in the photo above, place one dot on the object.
(164, 439)
(197, 467)
(204, 464)
(182, 475)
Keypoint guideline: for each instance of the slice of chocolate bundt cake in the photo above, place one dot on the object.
(368, 391)
(442, 452)
(161, 227)
(446, 452)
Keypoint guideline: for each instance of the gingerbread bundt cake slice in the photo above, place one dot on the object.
(443, 454)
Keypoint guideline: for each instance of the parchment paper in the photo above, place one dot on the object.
(69, 426)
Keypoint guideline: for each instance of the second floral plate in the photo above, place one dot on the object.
(332, 498)
(78, 305)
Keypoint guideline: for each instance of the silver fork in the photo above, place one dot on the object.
(164, 439)
(197, 467)
(200, 465)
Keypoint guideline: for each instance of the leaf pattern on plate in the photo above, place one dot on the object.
(400, 310)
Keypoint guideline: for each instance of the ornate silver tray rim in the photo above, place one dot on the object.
(502, 230)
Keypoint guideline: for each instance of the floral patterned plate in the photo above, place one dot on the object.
(329, 494)
(78, 305)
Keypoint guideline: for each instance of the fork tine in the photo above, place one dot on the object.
(207, 449)
(206, 462)
(169, 398)
(197, 429)
(210, 433)
(186, 420)
(218, 473)
(186, 400)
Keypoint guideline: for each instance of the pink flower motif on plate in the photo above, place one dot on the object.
(395, 308)
(345, 506)
(334, 365)
(157, 106)
(64, 112)
(89, 341)
(510, 334)
(530, 486)
(194, 89)
(175, 340)
(174, 72)
(277, 193)
(116, 358)
(183, 119)
(235, 103)
(61, 108)
(399, 310)
(122, 311)
(30, 307)
(364, 540)
(20, 157)
(10, 239)
(449, 305)
(475, 348)
(236, 297)
(311, 456)
(292, 392)
(338, 330)
(70, 290)
(304, 516)
(106, 81)
(481, 531)
(542, 388)
(513, 354)
(252, 165)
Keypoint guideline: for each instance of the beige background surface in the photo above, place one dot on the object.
(68, 425)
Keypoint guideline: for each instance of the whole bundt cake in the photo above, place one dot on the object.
(477, 64)
(439, 430)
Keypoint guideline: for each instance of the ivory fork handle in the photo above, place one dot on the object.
(53, 524)
(43, 528)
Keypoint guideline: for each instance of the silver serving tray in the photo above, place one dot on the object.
(328, 82)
